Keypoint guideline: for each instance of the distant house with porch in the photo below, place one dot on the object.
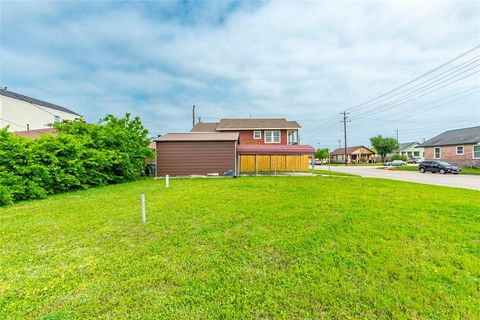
(357, 154)
(408, 149)
(460, 147)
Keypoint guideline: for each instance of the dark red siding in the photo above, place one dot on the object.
(183, 158)
(246, 137)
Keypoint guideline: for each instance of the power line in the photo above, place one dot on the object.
(389, 106)
(417, 78)
(11, 122)
(33, 104)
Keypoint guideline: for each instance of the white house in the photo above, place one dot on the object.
(410, 149)
(22, 113)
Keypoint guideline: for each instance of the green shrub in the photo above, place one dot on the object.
(82, 155)
(399, 157)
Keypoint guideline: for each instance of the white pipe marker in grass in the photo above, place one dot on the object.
(167, 181)
(142, 203)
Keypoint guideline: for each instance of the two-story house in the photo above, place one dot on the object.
(255, 131)
(235, 145)
(22, 113)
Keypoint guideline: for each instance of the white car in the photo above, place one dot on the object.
(395, 163)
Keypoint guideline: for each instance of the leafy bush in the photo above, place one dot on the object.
(399, 157)
(82, 155)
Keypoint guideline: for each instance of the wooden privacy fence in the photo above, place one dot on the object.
(253, 163)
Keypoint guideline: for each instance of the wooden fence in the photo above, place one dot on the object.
(253, 163)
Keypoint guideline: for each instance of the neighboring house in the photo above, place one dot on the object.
(236, 145)
(460, 147)
(22, 113)
(255, 131)
(357, 154)
(408, 149)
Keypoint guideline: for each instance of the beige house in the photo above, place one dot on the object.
(357, 154)
(22, 113)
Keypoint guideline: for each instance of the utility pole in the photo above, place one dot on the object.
(339, 143)
(193, 116)
(344, 113)
(397, 134)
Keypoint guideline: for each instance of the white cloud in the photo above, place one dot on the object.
(304, 61)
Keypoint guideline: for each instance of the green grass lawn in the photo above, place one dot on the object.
(333, 173)
(252, 247)
(415, 168)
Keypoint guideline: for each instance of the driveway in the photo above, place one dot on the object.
(449, 180)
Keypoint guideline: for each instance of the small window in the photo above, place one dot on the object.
(416, 153)
(459, 150)
(272, 136)
(437, 153)
(476, 152)
(257, 134)
(56, 119)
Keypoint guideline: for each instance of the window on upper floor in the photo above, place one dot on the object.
(272, 136)
(57, 119)
(257, 134)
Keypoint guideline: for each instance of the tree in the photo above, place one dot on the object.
(384, 145)
(321, 153)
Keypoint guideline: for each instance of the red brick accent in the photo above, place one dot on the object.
(448, 154)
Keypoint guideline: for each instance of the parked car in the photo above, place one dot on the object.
(318, 162)
(438, 166)
(415, 159)
(395, 163)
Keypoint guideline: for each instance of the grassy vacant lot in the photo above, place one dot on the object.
(253, 247)
(415, 168)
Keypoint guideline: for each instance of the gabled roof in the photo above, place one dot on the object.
(41, 103)
(249, 124)
(454, 137)
(33, 134)
(405, 145)
(350, 150)
(205, 127)
(199, 136)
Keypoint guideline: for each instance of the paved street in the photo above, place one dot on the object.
(449, 180)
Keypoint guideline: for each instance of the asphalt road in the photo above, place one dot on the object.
(449, 180)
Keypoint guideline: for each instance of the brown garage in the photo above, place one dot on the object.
(184, 154)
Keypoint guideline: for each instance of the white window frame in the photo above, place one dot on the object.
(259, 134)
(473, 151)
(55, 117)
(456, 150)
(435, 153)
(273, 135)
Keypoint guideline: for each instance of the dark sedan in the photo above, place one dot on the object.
(438, 166)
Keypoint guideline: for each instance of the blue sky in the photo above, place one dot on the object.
(305, 61)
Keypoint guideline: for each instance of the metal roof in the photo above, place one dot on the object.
(205, 127)
(454, 137)
(6, 93)
(248, 124)
(405, 145)
(199, 136)
(274, 149)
